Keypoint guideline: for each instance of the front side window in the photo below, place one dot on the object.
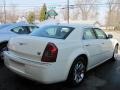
(88, 34)
(58, 32)
(100, 34)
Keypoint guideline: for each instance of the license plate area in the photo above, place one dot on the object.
(17, 65)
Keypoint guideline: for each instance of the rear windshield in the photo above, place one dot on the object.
(58, 32)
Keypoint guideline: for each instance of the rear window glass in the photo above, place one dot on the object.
(58, 32)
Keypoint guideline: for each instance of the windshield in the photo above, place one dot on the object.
(58, 32)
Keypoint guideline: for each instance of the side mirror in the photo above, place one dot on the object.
(110, 36)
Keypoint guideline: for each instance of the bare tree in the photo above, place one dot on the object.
(113, 13)
(86, 8)
(64, 13)
(111, 10)
(13, 13)
(74, 14)
(1, 15)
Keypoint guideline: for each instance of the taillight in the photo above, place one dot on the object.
(50, 53)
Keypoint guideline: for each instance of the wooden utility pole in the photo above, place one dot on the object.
(68, 12)
(4, 2)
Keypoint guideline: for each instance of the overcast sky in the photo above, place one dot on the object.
(35, 2)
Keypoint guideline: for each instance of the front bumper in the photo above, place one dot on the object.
(42, 72)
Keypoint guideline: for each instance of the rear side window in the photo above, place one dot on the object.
(88, 34)
(58, 32)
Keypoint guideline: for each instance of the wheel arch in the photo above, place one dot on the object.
(85, 56)
(85, 61)
(4, 42)
(117, 44)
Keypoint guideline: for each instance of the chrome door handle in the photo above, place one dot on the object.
(87, 45)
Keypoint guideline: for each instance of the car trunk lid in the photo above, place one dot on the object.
(29, 47)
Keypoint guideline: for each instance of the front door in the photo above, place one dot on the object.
(106, 43)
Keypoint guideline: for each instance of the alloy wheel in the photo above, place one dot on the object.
(79, 71)
(116, 52)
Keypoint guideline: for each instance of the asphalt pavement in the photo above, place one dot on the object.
(103, 77)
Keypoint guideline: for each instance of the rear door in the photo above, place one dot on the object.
(91, 45)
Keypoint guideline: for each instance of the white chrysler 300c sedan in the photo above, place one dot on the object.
(56, 53)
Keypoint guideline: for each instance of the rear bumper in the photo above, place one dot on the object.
(42, 72)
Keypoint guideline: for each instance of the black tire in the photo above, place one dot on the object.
(115, 53)
(3, 47)
(77, 72)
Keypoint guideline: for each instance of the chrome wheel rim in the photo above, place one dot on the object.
(116, 52)
(79, 72)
